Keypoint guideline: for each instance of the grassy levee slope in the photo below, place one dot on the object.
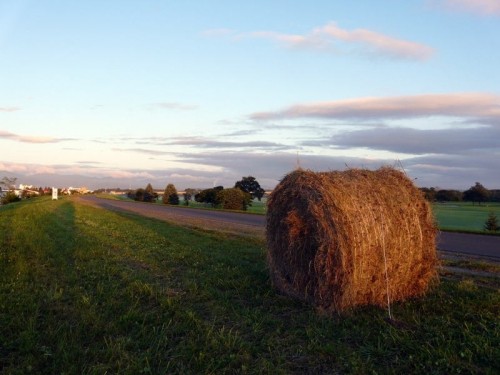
(87, 291)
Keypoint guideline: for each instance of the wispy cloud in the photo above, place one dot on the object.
(198, 142)
(332, 38)
(88, 162)
(9, 109)
(175, 106)
(31, 138)
(218, 144)
(142, 151)
(480, 105)
(483, 7)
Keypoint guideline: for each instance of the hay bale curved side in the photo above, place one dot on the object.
(343, 239)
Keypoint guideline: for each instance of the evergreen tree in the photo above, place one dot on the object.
(149, 194)
(491, 224)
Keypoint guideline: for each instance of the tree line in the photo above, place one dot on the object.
(238, 197)
(475, 194)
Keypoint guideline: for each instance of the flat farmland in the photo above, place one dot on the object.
(464, 216)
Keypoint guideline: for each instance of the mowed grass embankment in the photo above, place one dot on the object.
(464, 216)
(87, 291)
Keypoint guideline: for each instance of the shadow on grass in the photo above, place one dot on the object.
(120, 293)
(230, 318)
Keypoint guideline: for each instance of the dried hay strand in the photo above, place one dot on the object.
(345, 239)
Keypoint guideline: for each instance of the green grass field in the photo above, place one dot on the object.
(464, 216)
(87, 291)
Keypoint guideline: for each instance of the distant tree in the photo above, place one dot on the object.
(234, 199)
(26, 194)
(449, 196)
(189, 194)
(250, 185)
(138, 195)
(495, 195)
(149, 194)
(132, 194)
(170, 195)
(142, 195)
(491, 224)
(477, 193)
(429, 193)
(209, 196)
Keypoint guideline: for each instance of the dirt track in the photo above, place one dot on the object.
(228, 222)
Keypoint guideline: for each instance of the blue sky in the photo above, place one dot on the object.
(122, 93)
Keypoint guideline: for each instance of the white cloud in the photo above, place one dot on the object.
(480, 105)
(332, 38)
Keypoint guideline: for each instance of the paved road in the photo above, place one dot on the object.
(470, 244)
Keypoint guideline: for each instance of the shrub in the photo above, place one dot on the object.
(491, 224)
(234, 199)
(10, 197)
(210, 196)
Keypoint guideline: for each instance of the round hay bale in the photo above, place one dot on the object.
(344, 239)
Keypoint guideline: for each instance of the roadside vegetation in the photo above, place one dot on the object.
(83, 290)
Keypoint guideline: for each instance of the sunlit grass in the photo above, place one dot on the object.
(83, 290)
